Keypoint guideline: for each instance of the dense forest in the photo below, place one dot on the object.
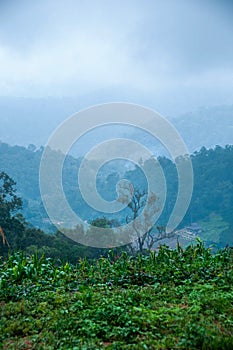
(211, 204)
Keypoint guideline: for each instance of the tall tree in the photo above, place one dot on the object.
(10, 203)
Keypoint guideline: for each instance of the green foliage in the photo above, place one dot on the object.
(172, 299)
(11, 221)
(213, 185)
(102, 222)
(9, 201)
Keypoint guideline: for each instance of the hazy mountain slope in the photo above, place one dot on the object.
(206, 127)
(25, 121)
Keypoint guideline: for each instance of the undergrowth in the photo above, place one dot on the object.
(171, 299)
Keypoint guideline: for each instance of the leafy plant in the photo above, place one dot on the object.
(179, 299)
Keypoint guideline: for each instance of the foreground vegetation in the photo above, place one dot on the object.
(172, 299)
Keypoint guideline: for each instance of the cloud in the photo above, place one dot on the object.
(56, 48)
(86, 50)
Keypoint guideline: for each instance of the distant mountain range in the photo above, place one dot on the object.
(31, 121)
(206, 127)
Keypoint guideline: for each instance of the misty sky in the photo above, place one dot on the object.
(172, 55)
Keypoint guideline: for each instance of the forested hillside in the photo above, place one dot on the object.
(211, 203)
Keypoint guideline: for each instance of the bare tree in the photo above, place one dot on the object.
(143, 208)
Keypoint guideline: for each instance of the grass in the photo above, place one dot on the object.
(173, 299)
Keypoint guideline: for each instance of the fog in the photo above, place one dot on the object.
(174, 56)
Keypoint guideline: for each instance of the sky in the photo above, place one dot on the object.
(172, 55)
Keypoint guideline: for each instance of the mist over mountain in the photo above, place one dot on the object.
(206, 127)
(27, 121)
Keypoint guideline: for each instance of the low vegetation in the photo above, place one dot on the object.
(169, 299)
